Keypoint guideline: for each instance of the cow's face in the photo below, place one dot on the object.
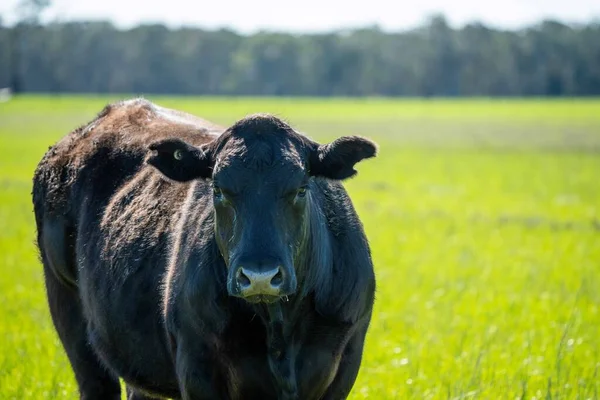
(260, 172)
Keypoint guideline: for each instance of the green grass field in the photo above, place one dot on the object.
(484, 221)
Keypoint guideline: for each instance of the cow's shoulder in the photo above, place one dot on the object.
(351, 279)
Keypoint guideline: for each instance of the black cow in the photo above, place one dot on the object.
(198, 262)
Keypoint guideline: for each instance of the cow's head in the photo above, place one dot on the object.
(261, 172)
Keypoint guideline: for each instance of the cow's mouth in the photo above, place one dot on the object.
(262, 298)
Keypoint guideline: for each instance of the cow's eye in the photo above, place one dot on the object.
(301, 192)
(217, 192)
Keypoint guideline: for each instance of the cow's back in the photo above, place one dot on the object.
(109, 150)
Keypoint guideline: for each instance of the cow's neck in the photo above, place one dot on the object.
(281, 353)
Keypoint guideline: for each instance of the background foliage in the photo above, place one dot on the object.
(546, 59)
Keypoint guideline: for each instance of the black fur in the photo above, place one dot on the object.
(139, 268)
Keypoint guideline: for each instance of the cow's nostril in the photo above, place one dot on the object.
(277, 279)
(242, 279)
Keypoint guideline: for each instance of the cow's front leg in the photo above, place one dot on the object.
(328, 364)
(348, 368)
(197, 375)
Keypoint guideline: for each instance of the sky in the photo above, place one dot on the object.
(249, 16)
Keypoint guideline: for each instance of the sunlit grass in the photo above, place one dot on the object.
(484, 221)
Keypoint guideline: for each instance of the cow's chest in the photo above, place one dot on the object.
(250, 376)
(251, 372)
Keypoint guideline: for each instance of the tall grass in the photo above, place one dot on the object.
(484, 221)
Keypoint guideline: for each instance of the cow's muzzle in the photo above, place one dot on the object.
(261, 283)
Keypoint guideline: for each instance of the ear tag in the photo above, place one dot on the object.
(178, 154)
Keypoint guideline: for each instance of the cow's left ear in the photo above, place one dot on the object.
(336, 160)
(181, 161)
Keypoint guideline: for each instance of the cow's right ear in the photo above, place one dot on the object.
(181, 161)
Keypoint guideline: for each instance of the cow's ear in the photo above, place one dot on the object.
(181, 161)
(336, 160)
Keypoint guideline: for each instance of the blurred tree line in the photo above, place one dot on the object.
(547, 59)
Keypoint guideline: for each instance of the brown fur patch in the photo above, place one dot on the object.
(124, 127)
